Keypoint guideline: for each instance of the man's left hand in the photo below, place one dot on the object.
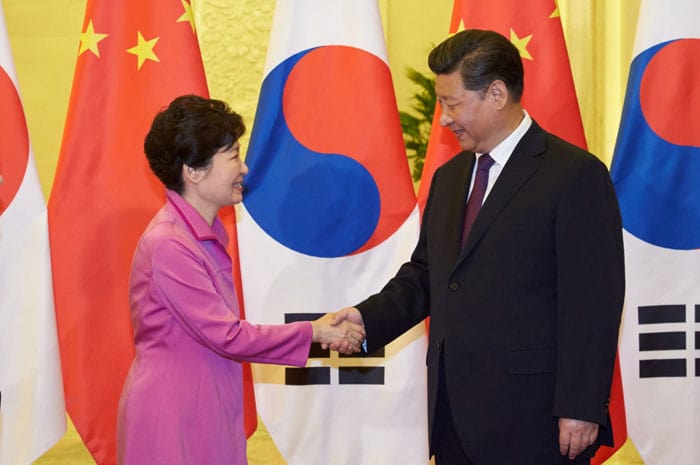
(575, 436)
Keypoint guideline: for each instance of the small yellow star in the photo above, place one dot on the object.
(555, 13)
(188, 15)
(89, 40)
(144, 49)
(521, 44)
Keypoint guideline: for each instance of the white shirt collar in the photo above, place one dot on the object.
(502, 152)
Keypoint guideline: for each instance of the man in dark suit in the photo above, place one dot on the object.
(525, 309)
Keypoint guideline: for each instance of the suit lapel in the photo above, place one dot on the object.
(521, 165)
(457, 204)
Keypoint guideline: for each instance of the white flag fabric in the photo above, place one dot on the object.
(656, 171)
(32, 411)
(328, 216)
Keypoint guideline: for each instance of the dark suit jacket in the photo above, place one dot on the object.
(526, 316)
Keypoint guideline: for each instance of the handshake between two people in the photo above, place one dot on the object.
(343, 331)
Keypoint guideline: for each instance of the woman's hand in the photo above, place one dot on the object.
(346, 337)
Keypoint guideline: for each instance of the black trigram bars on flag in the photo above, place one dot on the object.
(666, 341)
(349, 374)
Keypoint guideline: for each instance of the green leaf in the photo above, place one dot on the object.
(416, 125)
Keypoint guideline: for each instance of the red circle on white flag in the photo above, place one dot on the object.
(669, 95)
(14, 141)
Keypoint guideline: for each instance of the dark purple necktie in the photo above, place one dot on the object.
(476, 198)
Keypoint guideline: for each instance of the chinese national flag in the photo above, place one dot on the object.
(549, 97)
(135, 56)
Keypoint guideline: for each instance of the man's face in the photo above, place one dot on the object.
(469, 114)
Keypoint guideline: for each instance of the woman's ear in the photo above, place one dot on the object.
(191, 174)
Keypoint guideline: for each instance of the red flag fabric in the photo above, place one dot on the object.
(135, 56)
(535, 28)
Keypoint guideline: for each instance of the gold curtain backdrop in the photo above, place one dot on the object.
(44, 36)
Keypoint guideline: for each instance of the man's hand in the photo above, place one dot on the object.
(348, 314)
(345, 336)
(575, 436)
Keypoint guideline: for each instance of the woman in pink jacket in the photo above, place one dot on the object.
(182, 401)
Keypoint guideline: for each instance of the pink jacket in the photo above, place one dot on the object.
(182, 401)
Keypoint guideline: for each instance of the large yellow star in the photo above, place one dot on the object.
(521, 44)
(188, 15)
(144, 49)
(89, 40)
(555, 13)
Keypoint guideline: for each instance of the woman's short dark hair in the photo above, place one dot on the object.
(190, 131)
(481, 57)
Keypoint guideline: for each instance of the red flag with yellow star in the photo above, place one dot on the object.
(535, 28)
(135, 56)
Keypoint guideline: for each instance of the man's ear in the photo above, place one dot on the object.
(498, 91)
